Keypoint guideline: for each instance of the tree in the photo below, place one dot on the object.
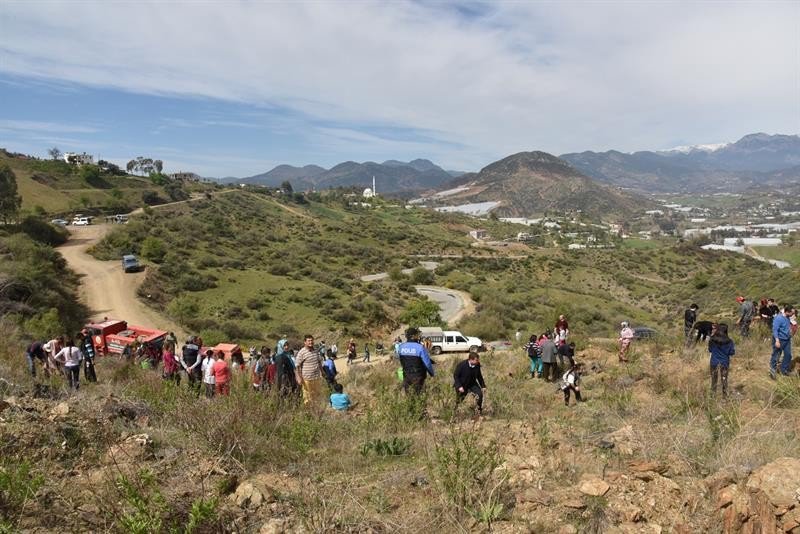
(55, 153)
(158, 165)
(286, 187)
(131, 166)
(421, 312)
(10, 201)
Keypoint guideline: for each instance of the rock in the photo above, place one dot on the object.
(777, 481)
(275, 525)
(247, 496)
(535, 496)
(59, 410)
(645, 476)
(791, 520)
(624, 440)
(594, 486)
(574, 503)
(568, 529)
(725, 497)
(605, 444)
(634, 515)
(642, 467)
(3, 405)
(133, 449)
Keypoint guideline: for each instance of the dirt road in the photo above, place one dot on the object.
(107, 290)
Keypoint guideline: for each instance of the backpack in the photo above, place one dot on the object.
(533, 350)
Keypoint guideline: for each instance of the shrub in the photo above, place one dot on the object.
(153, 249)
(43, 232)
(466, 475)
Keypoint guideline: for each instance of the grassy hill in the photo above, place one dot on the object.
(249, 267)
(58, 188)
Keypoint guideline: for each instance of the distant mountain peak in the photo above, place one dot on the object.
(688, 149)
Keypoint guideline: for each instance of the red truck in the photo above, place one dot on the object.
(113, 336)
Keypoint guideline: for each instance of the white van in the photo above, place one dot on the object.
(81, 221)
(450, 340)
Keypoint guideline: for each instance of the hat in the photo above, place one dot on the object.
(623, 324)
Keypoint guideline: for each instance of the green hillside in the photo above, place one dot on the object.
(58, 188)
(248, 266)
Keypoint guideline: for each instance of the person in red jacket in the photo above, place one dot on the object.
(222, 374)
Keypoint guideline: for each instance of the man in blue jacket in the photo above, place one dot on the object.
(782, 337)
(415, 360)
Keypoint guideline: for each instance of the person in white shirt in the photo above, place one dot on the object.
(208, 373)
(71, 357)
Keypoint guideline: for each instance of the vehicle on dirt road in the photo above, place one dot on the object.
(114, 336)
(450, 341)
(130, 264)
(81, 221)
(59, 222)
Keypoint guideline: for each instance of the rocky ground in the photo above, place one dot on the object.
(105, 460)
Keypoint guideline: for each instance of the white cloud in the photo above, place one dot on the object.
(38, 126)
(490, 81)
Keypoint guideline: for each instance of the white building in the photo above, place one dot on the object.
(478, 234)
(753, 241)
(78, 159)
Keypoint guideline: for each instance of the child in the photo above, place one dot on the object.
(329, 369)
(570, 382)
(339, 400)
(625, 337)
(260, 370)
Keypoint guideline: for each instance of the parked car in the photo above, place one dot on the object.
(130, 264)
(644, 332)
(82, 221)
(59, 222)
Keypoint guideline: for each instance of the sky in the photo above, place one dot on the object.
(227, 88)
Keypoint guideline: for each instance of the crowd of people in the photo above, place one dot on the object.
(310, 373)
(776, 324)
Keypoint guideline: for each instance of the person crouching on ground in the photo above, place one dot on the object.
(626, 335)
(340, 401)
(721, 348)
(570, 382)
(222, 374)
(467, 378)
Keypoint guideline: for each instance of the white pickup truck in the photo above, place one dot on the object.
(450, 341)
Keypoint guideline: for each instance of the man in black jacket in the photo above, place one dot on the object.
(467, 378)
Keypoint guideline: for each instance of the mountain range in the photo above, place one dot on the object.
(754, 160)
(391, 176)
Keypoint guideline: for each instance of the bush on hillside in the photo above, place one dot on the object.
(153, 249)
(43, 232)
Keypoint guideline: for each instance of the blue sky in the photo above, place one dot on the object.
(231, 88)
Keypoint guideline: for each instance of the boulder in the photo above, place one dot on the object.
(247, 496)
(275, 525)
(594, 486)
(768, 503)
